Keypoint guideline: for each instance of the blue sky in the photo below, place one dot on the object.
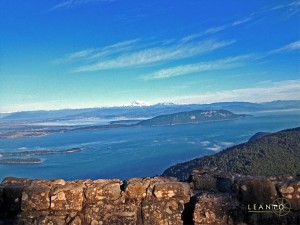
(89, 53)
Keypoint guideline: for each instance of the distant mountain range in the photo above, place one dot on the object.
(264, 154)
(196, 116)
(138, 103)
(140, 109)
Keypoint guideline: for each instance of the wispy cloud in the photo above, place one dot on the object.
(211, 30)
(225, 63)
(134, 53)
(284, 90)
(290, 8)
(215, 29)
(241, 21)
(150, 55)
(73, 3)
(287, 48)
(97, 52)
(290, 5)
(74, 56)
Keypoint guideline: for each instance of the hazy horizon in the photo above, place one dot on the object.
(146, 105)
(102, 53)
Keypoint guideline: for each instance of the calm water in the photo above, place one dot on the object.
(137, 152)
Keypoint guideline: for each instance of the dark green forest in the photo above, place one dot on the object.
(196, 116)
(272, 154)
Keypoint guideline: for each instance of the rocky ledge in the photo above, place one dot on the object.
(210, 197)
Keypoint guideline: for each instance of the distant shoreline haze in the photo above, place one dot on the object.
(278, 104)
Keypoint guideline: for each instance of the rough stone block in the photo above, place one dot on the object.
(12, 198)
(203, 181)
(291, 191)
(50, 183)
(212, 180)
(257, 191)
(292, 218)
(67, 197)
(77, 220)
(19, 221)
(112, 214)
(58, 182)
(213, 208)
(16, 181)
(157, 212)
(1, 198)
(34, 214)
(50, 220)
(170, 190)
(136, 188)
(86, 182)
(281, 177)
(101, 190)
(35, 197)
(158, 180)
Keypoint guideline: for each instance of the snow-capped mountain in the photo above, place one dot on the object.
(138, 103)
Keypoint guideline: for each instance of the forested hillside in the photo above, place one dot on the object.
(277, 153)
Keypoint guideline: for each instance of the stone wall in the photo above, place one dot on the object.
(211, 197)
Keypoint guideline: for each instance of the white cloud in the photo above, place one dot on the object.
(226, 143)
(216, 29)
(156, 54)
(287, 48)
(284, 90)
(87, 54)
(115, 48)
(215, 148)
(239, 22)
(292, 46)
(225, 63)
(129, 54)
(74, 56)
(205, 143)
(211, 30)
(290, 8)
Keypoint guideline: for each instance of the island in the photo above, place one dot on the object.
(21, 161)
(20, 157)
(195, 116)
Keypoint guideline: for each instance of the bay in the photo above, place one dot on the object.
(136, 151)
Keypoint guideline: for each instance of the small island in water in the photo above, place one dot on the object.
(195, 116)
(21, 156)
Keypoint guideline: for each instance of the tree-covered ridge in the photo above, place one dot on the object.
(273, 154)
(196, 116)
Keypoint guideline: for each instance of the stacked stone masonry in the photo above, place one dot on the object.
(210, 197)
